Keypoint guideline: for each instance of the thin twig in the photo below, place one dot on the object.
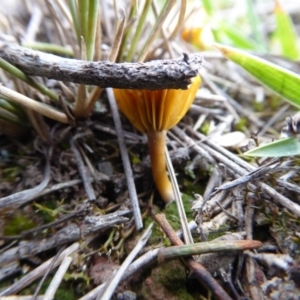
(37, 290)
(82, 170)
(68, 234)
(125, 159)
(206, 247)
(38, 272)
(153, 75)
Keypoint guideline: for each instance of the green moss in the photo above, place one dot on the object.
(167, 281)
(65, 291)
(241, 124)
(18, 223)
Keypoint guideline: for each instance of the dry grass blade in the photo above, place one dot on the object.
(156, 29)
(82, 170)
(41, 108)
(125, 159)
(115, 48)
(187, 236)
(49, 295)
(180, 20)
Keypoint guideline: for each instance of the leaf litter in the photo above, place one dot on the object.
(61, 220)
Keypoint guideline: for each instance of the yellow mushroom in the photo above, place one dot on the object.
(154, 112)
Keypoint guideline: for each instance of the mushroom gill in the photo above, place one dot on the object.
(154, 112)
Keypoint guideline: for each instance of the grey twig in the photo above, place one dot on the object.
(38, 272)
(82, 171)
(126, 162)
(68, 234)
(154, 75)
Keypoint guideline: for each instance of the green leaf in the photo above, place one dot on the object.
(285, 33)
(280, 148)
(280, 80)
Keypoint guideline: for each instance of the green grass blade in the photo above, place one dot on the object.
(83, 9)
(13, 108)
(76, 22)
(50, 48)
(280, 148)
(138, 31)
(254, 22)
(286, 33)
(237, 37)
(22, 76)
(92, 28)
(208, 6)
(131, 21)
(280, 80)
(156, 29)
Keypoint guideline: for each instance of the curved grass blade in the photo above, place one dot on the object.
(237, 37)
(280, 148)
(285, 33)
(280, 80)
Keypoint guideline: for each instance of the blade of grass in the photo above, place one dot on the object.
(280, 148)
(83, 12)
(81, 96)
(236, 36)
(76, 22)
(41, 108)
(50, 48)
(130, 22)
(92, 28)
(13, 108)
(138, 30)
(9, 116)
(115, 48)
(156, 29)
(208, 6)
(180, 20)
(22, 76)
(280, 80)
(255, 23)
(90, 102)
(187, 236)
(98, 54)
(39, 124)
(285, 33)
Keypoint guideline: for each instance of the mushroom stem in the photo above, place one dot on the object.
(156, 144)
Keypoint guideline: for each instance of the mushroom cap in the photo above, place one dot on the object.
(156, 110)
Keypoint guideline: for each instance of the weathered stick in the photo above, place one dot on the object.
(153, 75)
(206, 247)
